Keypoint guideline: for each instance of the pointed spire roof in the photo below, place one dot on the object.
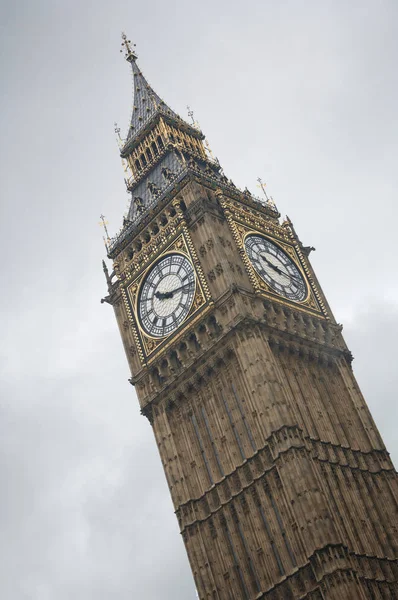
(146, 101)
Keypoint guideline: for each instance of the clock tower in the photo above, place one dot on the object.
(281, 483)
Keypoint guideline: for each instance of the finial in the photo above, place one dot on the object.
(262, 186)
(190, 114)
(194, 123)
(208, 149)
(105, 269)
(104, 224)
(129, 54)
(118, 136)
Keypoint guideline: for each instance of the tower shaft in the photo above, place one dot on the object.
(281, 483)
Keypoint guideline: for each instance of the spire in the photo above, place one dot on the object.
(146, 101)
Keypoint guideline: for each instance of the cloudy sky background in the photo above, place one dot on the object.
(303, 94)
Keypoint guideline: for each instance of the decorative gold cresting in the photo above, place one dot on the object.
(129, 53)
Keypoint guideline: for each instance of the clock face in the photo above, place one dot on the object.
(166, 295)
(276, 268)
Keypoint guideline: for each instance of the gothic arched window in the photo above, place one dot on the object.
(154, 148)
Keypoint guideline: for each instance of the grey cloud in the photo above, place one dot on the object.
(303, 95)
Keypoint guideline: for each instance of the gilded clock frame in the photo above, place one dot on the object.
(309, 303)
(290, 252)
(148, 345)
(243, 224)
(138, 294)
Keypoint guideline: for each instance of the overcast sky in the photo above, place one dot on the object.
(302, 93)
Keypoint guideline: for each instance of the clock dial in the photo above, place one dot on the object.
(166, 295)
(276, 268)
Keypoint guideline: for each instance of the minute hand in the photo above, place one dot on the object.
(181, 287)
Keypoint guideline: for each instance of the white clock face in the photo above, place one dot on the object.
(276, 268)
(166, 295)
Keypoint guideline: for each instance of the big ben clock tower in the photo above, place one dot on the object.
(281, 483)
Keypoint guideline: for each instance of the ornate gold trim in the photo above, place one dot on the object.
(287, 249)
(277, 236)
(307, 272)
(147, 344)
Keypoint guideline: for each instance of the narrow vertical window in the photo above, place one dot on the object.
(202, 449)
(271, 541)
(160, 142)
(154, 149)
(236, 434)
(149, 154)
(282, 529)
(251, 565)
(236, 562)
(242, 414)
(205, 419)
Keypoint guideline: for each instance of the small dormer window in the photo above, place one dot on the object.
(143, 160)
(153, 188)
(160, 142)
(149, 154)
(168, 174)
(154, 148)
(139, 204)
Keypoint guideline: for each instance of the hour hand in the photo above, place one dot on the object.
(163, 295)
(269, 263)
(278, 270)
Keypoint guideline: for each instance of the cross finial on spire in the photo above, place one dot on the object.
(128, 51)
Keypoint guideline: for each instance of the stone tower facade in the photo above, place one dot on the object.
(281, 483)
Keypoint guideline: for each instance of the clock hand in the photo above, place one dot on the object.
(278, 270)
(181, 287)
(166, 295)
